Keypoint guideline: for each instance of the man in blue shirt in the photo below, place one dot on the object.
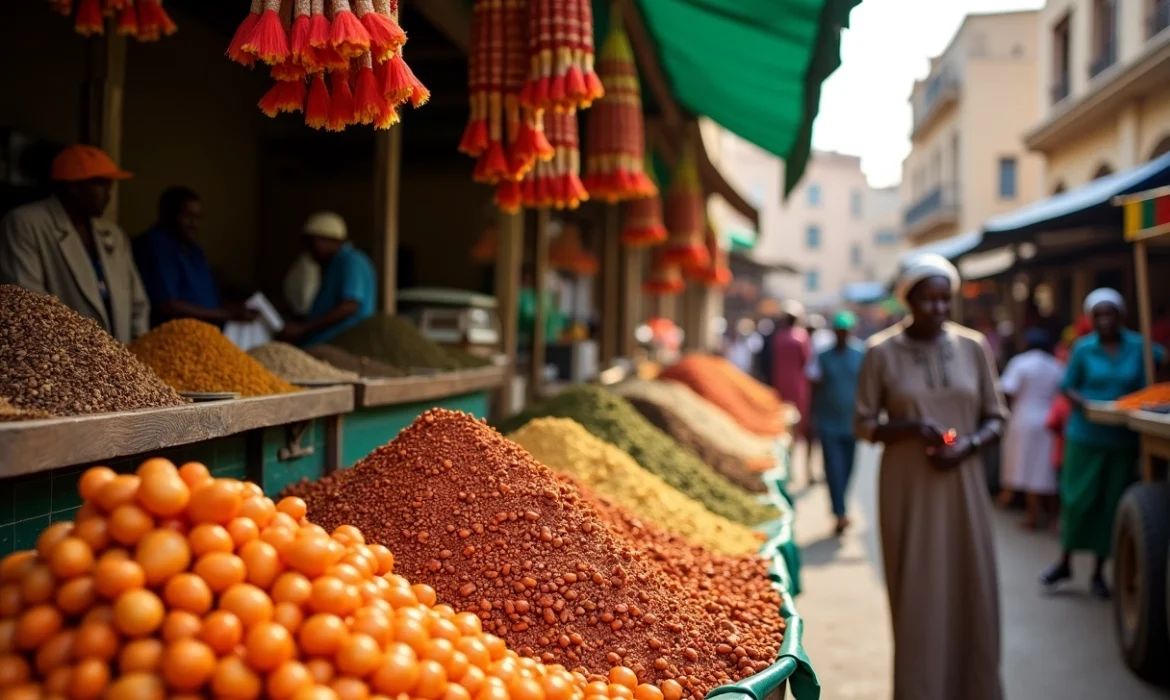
(348, 284)
(174, 269)
(834, 375)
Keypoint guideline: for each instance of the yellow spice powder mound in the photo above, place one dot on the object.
(565, 446)
(194, 356)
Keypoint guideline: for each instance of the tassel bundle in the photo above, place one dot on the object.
(716, 272)
(339, 62)
(560, 45)
(552, 184)
(685, 216)
(145, 20)
(568, 255)
(643, 225)
(484, 250)
(615, 147)
(663, 278)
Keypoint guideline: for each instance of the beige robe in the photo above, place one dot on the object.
(937, 541)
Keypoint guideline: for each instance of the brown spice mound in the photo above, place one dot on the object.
(194, 356)
(494, 532)
(364, 366)
(10, 413)
(55, 361)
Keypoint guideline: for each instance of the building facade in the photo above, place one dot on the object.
(1104, 88)
(968, 159)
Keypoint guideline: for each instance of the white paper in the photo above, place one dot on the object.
(248, 335)
(268, 313)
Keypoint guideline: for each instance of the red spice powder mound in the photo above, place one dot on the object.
(754, 406)
(494, 532)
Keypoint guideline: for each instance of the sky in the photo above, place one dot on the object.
(865, 108)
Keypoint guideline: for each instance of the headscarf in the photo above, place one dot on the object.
(1104, 295)
(921, 268)
(1037, 338)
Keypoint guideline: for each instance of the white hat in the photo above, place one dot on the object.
(326, 224)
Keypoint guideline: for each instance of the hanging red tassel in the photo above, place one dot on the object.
(346, 33)
(317, 105)
(475, 135)
(89, 20)
(235, 50)
(111, 8)
(379, 17)
(61, 7)
(594, 88)
(663, 279)
(153, 21)
(395, 83)
(388, 117)
(300, 51)
(268, 40)
(126, 23)
(288, 71)
(283, 96)
(341, 102)
(367, 100)
(643, 223)
(686, 215)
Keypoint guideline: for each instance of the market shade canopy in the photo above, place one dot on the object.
(950, 248)
(753, 66)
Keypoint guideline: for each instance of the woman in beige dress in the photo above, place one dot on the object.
(929, 392)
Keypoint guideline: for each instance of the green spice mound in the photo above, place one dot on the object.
(394, 339)
(466, 360)
(615, 421)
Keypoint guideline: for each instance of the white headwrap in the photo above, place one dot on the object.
(924, 267)
(1104, 295)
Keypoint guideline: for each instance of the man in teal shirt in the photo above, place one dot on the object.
(834, 375)
(348, 285)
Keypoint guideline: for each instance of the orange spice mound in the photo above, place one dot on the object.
(193, 356)
(1153, 395)
(496, 533)
(754, 406)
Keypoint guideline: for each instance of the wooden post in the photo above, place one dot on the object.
(509, 254)
(610, 285)
(105, 83)
(1142, 275)
(631, 298)
(540, 275)
(387, 178)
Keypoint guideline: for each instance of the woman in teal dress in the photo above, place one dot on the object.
(1100, 461)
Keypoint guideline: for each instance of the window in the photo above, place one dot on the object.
(1061, 57)
(885, 237)
(855, 204)
(1104, 33)
(813, 237)
(855, 255)
(1159, 17)
(814, 195)
(1007, 178)
(812, 280)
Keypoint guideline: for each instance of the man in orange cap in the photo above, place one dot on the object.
(60, 246)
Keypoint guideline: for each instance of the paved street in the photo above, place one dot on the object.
(1056, 647)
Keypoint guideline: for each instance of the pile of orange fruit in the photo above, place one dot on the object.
(173, 583)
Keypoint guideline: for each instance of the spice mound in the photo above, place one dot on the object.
(52, 360)
(10, 413)
(614, 420)
(363, 366)
(394, 339)
(1153, 396)
(496, 533)
(193, 356)
(295, 365)
(563, 445)
(753, 405)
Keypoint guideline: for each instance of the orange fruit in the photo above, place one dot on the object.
(38, 585)
(7, 636)
(247, 602)
(138, 613)
(292, 587)
(243, 531)
(322, 635)
(262, 562)
(372, 622)
(222, 631)
(620, 675)
(432, 681)
(114, 575)
(293, 507)
(425, 594)
(215, 501)
(99, 614)
(92, 480)
(128, 523)
(193, 474)
(268, 646)
(672, 689)
(398, 672)
(259, 509)
(156, 465)
(14, 566)
(70, 558)
(332, 595)
(163, 493)
(187, 664)
(120, 490)
(345, 689)
(456, 691)
(210, 537)
(312, 554)
(287, 679)
(136, 686)
(358, 656)
(220, 570)
(95, 532)
(288, 616)
(646, 691)
(188, 592)
(56, 651)
(89, 679)
(141, 655)
(37, 625)
(14, 670)
(348, 534)
(180, 624)
(51, 536)
(11, 601)
(384, 557)
(162, 554)
(96, 640)
(233, 680)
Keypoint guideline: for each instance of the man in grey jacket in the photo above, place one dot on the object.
(60, 246)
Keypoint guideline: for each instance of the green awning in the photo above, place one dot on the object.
(742, 240)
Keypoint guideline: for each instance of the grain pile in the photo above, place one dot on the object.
(754, 406)
(614, 420)
(193, 356)
(55, 361)
(394, 339)
(363, 366)
(10, 413)
(494, 532)
(295, 365)
(703, 428)
(565, 446)
(465, 360)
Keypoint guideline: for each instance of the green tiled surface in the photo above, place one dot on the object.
(278, 474)
(367, 429)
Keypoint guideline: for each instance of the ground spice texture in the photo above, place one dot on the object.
(494, 532)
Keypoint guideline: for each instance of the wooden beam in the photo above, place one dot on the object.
(105, 85)
(1142, 273)
(387, 179)
(610, 284)
(631, 298)
(451, 17)
(509, 254)
(539, 283)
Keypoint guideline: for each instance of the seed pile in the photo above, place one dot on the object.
(394, 339)
(363, 366)
(495, 532)
(753, 405)
(466, 360)
(195, 356)
(55, 361)
(565, 446)
(295, 365)
(172, 583)
(10, 413)
(614, 420)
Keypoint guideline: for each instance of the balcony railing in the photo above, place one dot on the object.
(937, 87)
(1059, 89)
(1159, 18)
(940, 200)
(1107, 57)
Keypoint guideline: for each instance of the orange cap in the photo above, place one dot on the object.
(77, 163)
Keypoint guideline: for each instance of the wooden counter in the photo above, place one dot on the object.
(33, 446)
(1106, 413)
(388, 392)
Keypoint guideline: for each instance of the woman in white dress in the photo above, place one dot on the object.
(1031, 381)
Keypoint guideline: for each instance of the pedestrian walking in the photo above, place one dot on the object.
(928, 391)
(789, 350)
(834, 373)
(1100, 461)
(1031, 381)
